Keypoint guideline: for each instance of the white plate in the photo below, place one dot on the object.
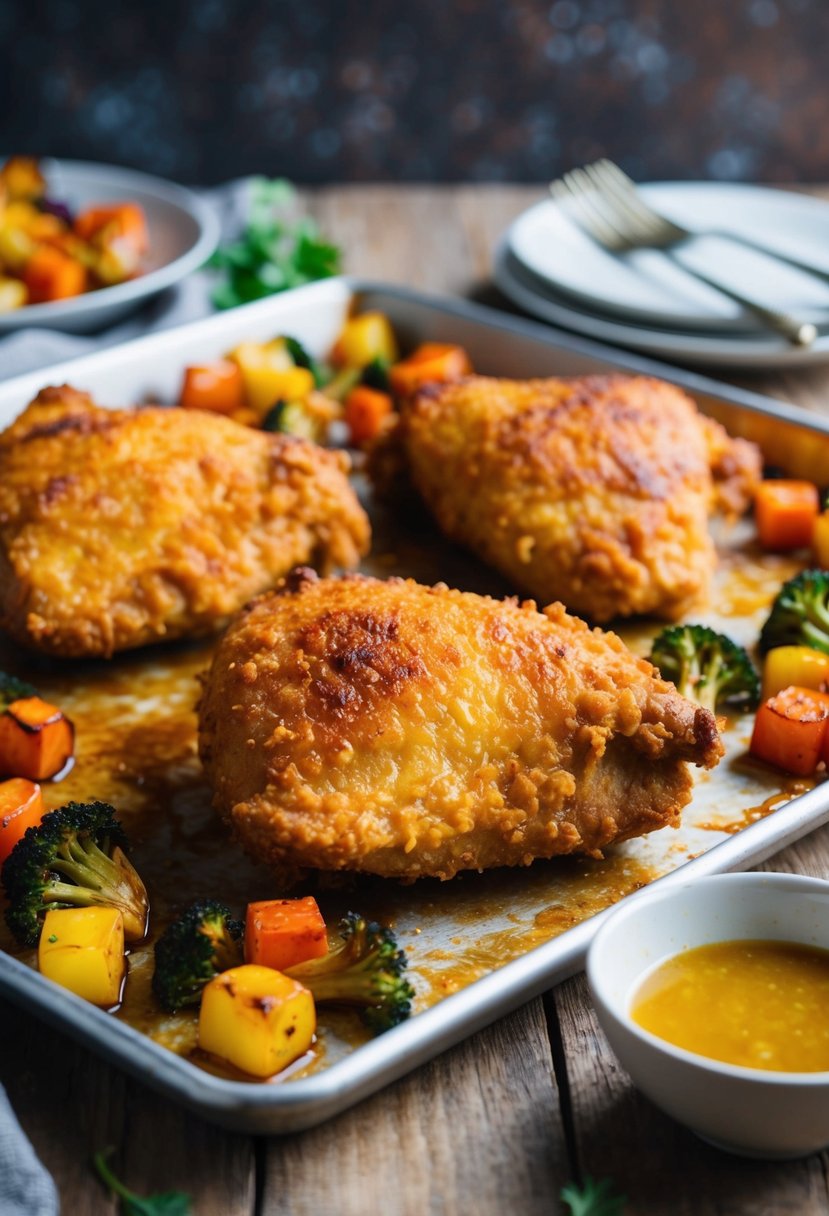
(650, 287)
(751, 351)
(183, 231)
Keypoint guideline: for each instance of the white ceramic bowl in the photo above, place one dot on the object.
(744, 1110)
(183, 233)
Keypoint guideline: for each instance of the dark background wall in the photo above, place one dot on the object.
(320, 90)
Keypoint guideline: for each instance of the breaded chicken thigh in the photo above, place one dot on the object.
(123, 527)
(404, 730)
(594, 491)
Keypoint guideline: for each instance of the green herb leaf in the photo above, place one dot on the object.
(12, 689)
(301, 358)
(167, 1203)
(276, 251)
(592, 1198)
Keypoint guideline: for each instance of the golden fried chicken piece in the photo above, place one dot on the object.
(123, 527)
(403, 730)
(594, 491)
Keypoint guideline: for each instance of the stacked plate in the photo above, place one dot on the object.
(646, 300)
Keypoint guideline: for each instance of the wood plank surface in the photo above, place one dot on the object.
(496, 1125)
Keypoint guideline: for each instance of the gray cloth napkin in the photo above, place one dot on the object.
(26, 1189)
(28, 349)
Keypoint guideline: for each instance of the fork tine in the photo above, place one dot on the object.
(624, 189)
(643, 226)
(595, 217)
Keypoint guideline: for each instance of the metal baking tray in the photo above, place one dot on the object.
(150, 368)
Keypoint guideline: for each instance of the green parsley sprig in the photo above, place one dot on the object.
(167, 1203)
(595, 1197)
(275, 252)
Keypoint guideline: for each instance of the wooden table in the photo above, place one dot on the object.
(496, 1125)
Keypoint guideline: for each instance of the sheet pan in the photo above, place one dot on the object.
(437, 933)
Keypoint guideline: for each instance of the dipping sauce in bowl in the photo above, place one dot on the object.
(759, 1004)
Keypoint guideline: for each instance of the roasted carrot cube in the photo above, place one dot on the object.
(366, 409)
(51, 275)
(213, 386)
(790, 730)
(433, 361)
(21, 807)
(114, 222)
(36, 740)
(281, 933)
(785, 512)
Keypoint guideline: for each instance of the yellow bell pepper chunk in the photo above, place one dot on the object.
(270, 375)
(82, 949)
(13, 294)
(820, 540)
(257, 1019)
(798, 665)
(364, 338)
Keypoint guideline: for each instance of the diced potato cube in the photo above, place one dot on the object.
(13, 295)
(269, 374)
(82, 949)
(257, 1019)
(364, 338)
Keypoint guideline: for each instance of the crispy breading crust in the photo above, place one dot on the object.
(403, 730)
(594, 491)
(123, 527)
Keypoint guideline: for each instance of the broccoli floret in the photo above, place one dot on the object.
(706, 666)
(74, 858)
(366, 969)
(12, 689)
(204, 941)
(800, 613)
(301, 358)
(376, 374)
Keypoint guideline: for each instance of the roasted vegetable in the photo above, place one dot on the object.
(365, 969)
(302, 358)
(785, 513)
(257, 1019)
(706, 666)
(820, 540)
(799, 665)
(74, 858)
(204, 941)
(800, 613)
(433, 361)
(36, 739)
(82, 949)
(281, 933)
(790, 730)
(292, 418)
(269, 374)
(365, 339)
(366, 411)
(50, 275)
(21, 808)
(213, 386)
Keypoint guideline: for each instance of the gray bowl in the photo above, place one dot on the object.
(184, 231)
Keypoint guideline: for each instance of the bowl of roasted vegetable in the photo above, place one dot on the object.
(82, 245)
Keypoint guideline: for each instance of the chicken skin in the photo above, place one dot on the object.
(594, 491)
(124, 527)
(404, 730)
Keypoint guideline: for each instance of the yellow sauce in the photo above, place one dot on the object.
(759, 1004)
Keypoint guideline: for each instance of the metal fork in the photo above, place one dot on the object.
(605, 204)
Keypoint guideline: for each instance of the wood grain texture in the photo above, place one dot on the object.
(477, 1130)
(72, 1104)
(480, 1129)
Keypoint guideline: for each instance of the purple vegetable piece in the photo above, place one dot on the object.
(53, 206)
